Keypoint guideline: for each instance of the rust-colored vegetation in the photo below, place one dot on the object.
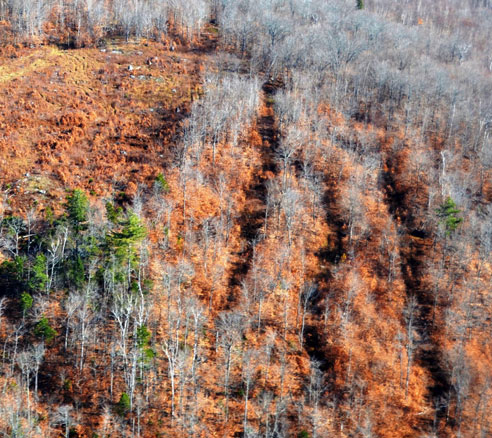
(222, 220)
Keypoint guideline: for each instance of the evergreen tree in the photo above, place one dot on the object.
(143, 336)
(124, 404)
(160, 184)
(76, 272)
(44, 330)
(360, 4)
(39, 276)
(143, 343)
(26, 302)
(113, 213)
(77, 207)
(123, 242)
(447, 212)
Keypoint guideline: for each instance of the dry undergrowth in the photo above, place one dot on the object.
(98, 119)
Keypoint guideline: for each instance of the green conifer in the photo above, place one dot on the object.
(77, 207)
(447, 212)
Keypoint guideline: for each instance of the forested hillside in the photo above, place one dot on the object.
(238, 218)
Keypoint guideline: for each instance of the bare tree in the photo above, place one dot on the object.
(410, 315)
(64, 417)
(229, 330)
(308, 293)
(38, 353)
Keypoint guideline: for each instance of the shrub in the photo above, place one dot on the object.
(13, 270)
(44, 330)
(123, 405)
(26, 302)
(161, 184)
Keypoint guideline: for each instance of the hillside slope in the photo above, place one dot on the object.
(240, 220)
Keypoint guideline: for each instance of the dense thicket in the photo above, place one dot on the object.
(313, 260)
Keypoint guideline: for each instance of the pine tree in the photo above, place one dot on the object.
(76, 271)
(124, 404)
(447, 212)
(44, 330)
(77, 207)
(39, 276)
(161, 184)
(360, 4)
(123, 242)
(26, 302)
(143, 336)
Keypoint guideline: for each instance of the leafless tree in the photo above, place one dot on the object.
(229, 330)
(64, 416)
(38, 353)
(308, 293)
(410, 315)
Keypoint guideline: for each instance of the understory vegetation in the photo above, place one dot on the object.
(245, 219)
